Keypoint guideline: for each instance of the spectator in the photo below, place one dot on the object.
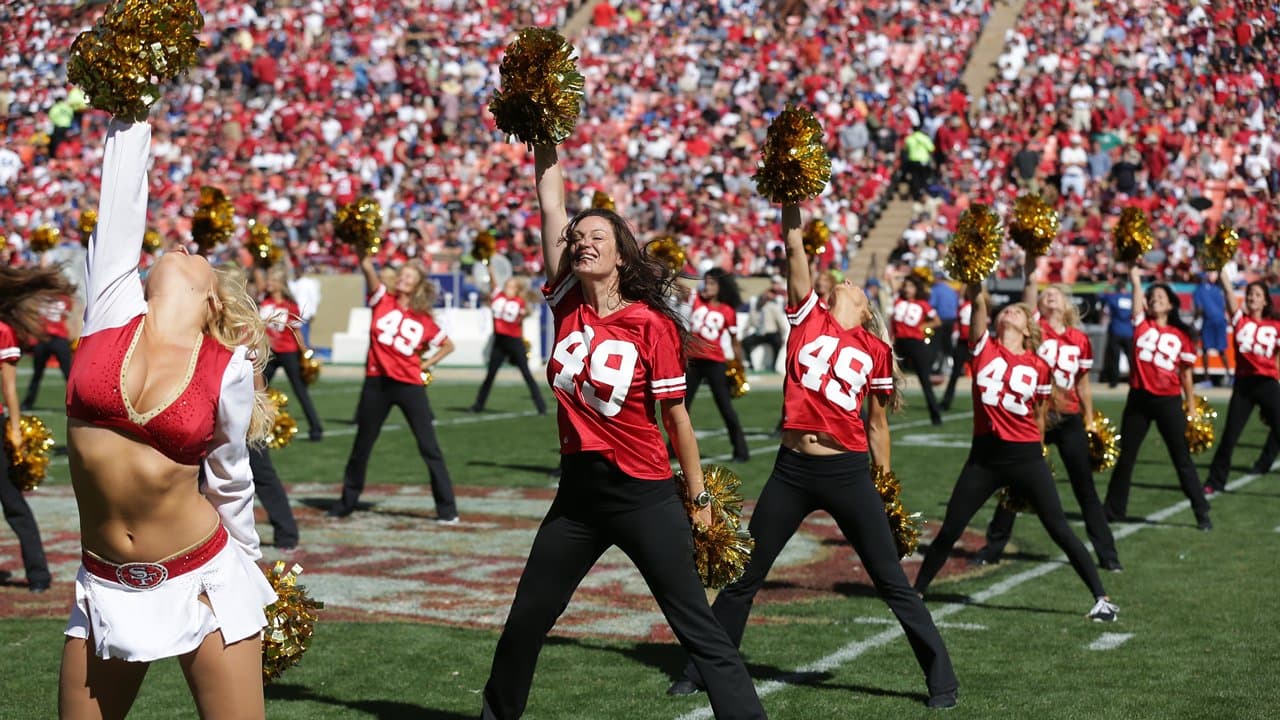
(1211, 315)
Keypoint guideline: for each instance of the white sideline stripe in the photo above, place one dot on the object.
(943, 625)
(892, 426)
(1109, 641)
(855, 649)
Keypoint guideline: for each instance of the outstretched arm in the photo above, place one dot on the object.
(1139, 297)
(979, 317)
(113, 290)
(878, 429)
(1029, 281)
(371, 281)
(799, 280)
(1228, 292)
(675, 418)
(550, 185)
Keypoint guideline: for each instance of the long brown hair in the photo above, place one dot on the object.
(24, 292)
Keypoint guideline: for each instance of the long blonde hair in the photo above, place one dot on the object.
(1032, 341)
(238, 323)
(423, 297)
(876, 325)
(1070, 314)
(282, 274)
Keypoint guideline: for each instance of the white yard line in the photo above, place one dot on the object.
(1109, 641)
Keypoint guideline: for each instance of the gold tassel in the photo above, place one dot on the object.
(816, 237)
(1132, 235)
(600, 200)
(904, 526)
(1199, 431)
(737, 374)
(86, 224)
(151, 242)
(721, 551)
(1104, 443)
(1220, 247)
(260, 246)
(794, 164)
(1034, 225)
(291, 621)
(541, 94)
(215, 219)
(28, 468)
(484, 246)
(310, 367)
(975, 246)
(284, 427)
(44, 238)
(427, 378)
(667, 249)
(359, 224)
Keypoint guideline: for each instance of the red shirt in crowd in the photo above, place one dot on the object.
(964, 318)
(1069, 355)
(708, 324)
(1159, 354)
(1255, 345)
(909, 317)
(55, 316)
(1007, 386)
(281, 317)
(397, 338)
(507, 311)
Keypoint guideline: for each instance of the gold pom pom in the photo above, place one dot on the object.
(86, 224)
(737, 374)
(721, 551)
(794, 163)
(1199, 431)
(427, 378)
(291, 621)
(136, 46)
(284, 427)
(975, 246)
(310, 367)
(1104, 443)
(44, 238)
(260, 245)
(484, 246)
(600, 200)
(816, 237)
(1220, 247)
(1132, 236)
(151, 241)
(27, 469)
(215, 219)
(359, 224)
(1034, 225)
(1013, 501)
(542, 90)
(667, 249)
(925, 273)
(904, 526)
(528, 348)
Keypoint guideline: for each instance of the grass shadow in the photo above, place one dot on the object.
(381, 709)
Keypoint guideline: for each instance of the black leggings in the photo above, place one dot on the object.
(959, 356)
(918, 355)
(376, 398)
(992, 464)
(840, 485)
(751, 342)
(506, 348)
(19, 516)
(1140, 410)
(714, 373)
(1073, 449)
(57, 347)
(292, 364)
(598, 506)
(268, 488)
(1249, 390)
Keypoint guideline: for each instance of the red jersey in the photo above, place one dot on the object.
(397, 338)
(1069, 355)
(281, 317)
(607, 374)
(1159, 354)
(1255, 345)
(964, 318)
(9, 351)
(829, 372)
(1011, 383)
(507, 311)
(909, 317)
(708, 324)
(55, 314)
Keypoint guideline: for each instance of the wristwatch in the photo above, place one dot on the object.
(702, 499)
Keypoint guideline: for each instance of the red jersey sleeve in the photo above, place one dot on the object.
(666, 363)
(9, 350)
(797, 315)
(880, 381)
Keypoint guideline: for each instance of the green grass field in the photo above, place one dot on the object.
(1198, 610)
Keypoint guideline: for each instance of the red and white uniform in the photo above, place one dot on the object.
(508, 310)
(709, 323)
(281, 318)
(1007, 386)
(830, 370)
(608, 374)
(55, 316)
(964, 318)
(397, 338)
(910, 317)
(9, 352)
(1159, 355)
(1255, 345)
(1069, 355)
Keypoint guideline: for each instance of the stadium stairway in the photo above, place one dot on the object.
(898, 211)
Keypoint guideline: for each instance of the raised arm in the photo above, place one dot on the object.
(1228, 292)
(979, 316)
(1139, 297)
(113, 288)
(1029, 281)
(550, 185)
(799, 280)
(371, 281)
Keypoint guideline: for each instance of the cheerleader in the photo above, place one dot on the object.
(713, 315)
(1069, 354)
(55, 344)
(912, 315)
(401, 331)
(509, 309)
(1160, 374)
(616, 366)
(1011, 384)
(1255, 328)
(837, 363)
(280, 313)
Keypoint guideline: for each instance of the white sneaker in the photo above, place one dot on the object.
(1104, 611)
(448, 521)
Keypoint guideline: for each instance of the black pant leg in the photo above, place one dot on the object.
(1269, 400)
(718, 381)
(959, 357)
(1134, 424)
(516, 356)
(917, 353)
(413, 402)
(371, 413)
(292, 364)
(693, 375)
(1034, 482)
(269, 372)
(975, 484)
(1171, 420)
(999, 531)
(269, 489)
(61, 348)
(19, 516)
(942, 345)
(40, 355)
(496, 357)
(1073, 450)
(1238, 410)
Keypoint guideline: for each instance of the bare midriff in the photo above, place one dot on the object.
(808, 442)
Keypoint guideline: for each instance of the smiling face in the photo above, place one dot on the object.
(1256, 299)
(511, 287)
(710, 289)
(593, 248)
(1052, 302)
(407, 280)
(1160, 301)
(1013, 318)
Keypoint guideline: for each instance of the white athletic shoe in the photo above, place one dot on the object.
(1104, 611)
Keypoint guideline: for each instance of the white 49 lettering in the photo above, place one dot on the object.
(506, 310)
(908, 313)
(1257, 339)
(1159, 349)
(707, 323)
(1064, 359)
(1016, 397)
(404, 334)
(845, 377)
(583, 369)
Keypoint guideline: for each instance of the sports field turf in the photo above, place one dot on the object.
(1195, 638)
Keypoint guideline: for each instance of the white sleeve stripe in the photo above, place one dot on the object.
(1044, 389)
(439, 338)
(1188, 357)
(981, 344)
(803, 311)
(668, 390)
(667, 381)
(1087, 363)
(377, 295)
(882, 381)
(563, 289)
(11, 352)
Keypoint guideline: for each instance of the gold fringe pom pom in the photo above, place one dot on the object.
(284, 427)
(816, 237)
(1013, 501)
(794, 163)
(260, 245)
(667, 249)
(87, 223)
(737, 374)
(44, 238)
(27, 469)
(528, 348)
(359, 224)
(1132, 236)
(721, 551)
(600, 200)
(215, 219)
(136, 46)
(1220, 247)
(1104, 443)
(904, 526)
(925, 273)
(1199, 431)
(1034, 225)
(427, 378)
(484, 246)
(310, 367)
(152, 242)
(541, 94)
(975, 246)
(291, 621)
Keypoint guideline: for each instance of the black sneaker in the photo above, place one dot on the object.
(1111, 565)
(985, 557)
(683, 686)
(942, 701)
(1204, 524)
(38, 587)
(316, 435)
(339, 511)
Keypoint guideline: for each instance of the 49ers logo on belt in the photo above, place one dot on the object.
(142, 576)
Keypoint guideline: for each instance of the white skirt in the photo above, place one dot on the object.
(125, 623)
